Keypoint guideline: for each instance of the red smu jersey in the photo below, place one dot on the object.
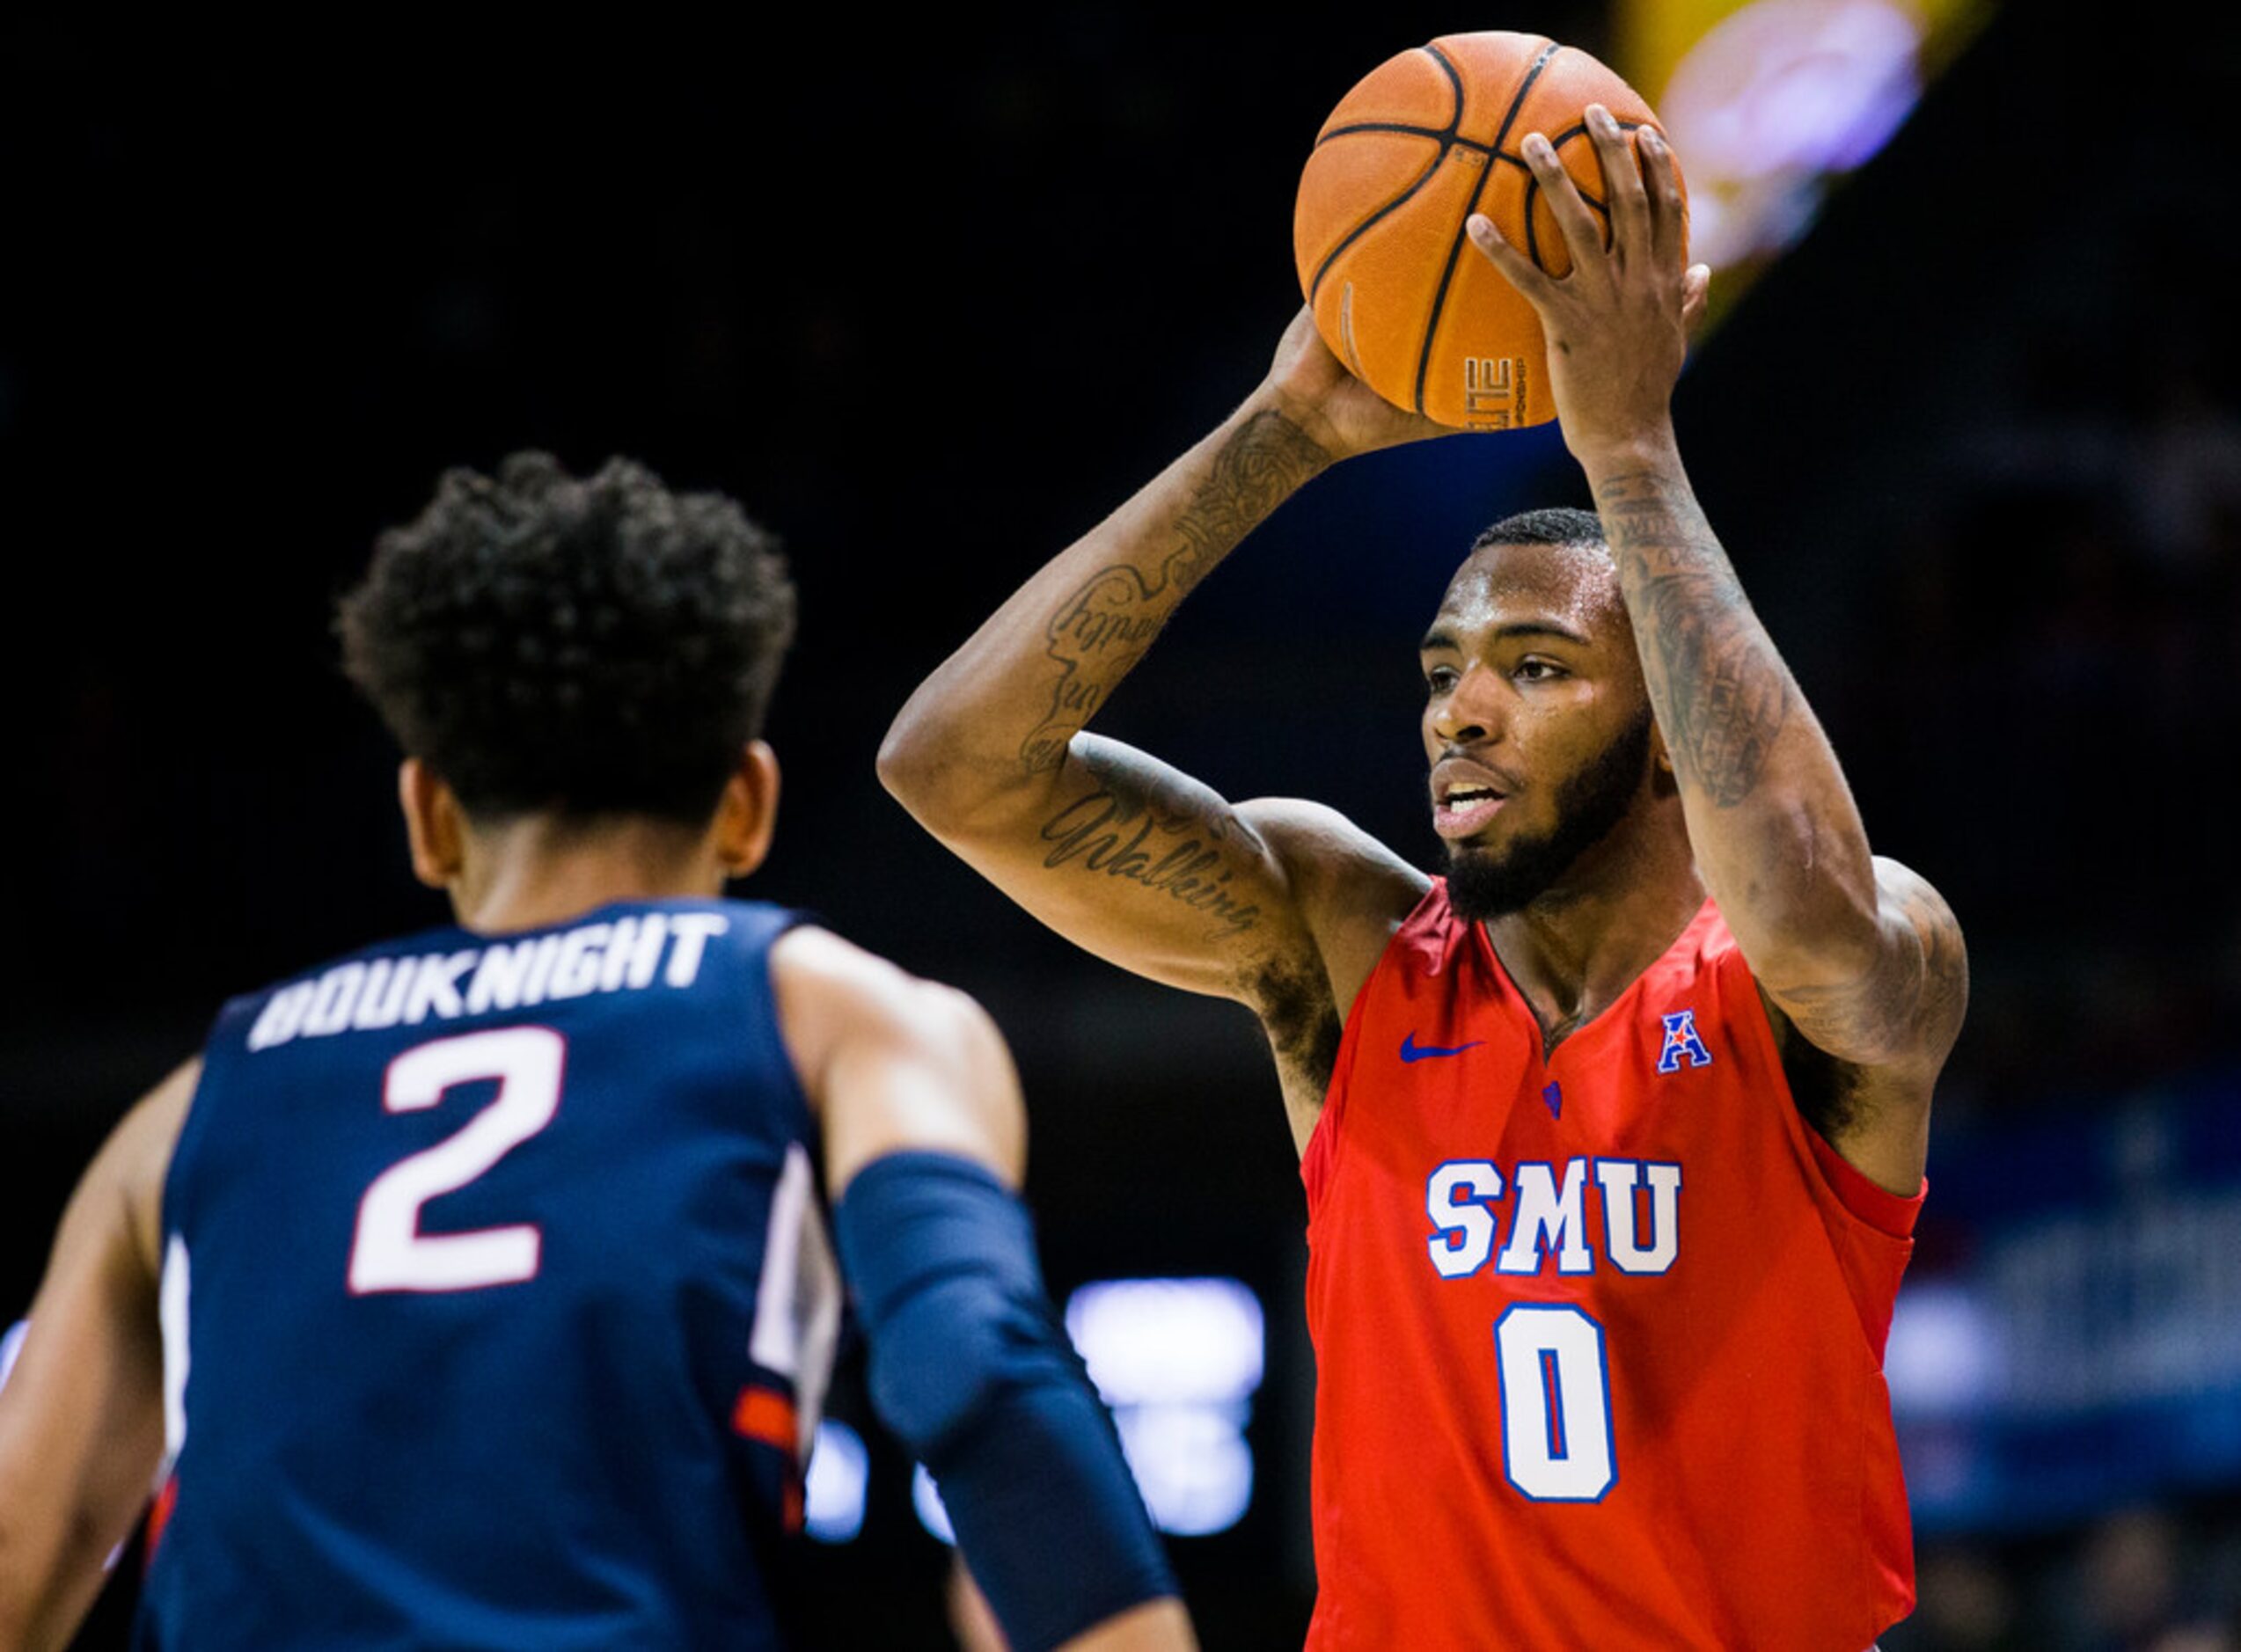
(1599, 1336)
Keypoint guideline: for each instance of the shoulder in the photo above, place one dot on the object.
(1907, 893)
(1318, 847)
(1932, 957)
(132, 1165)
(830, 989)
(1889, 996)
(1918, 990)
(1354, 892)
(1863, 1053)
(889, 1060)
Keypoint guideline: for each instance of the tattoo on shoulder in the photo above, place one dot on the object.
(1117, 836)
(1102, 628)
(1722, 693)
(1944, 999)
(1913, 997)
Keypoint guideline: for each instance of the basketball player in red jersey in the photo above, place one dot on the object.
(1613, 1137)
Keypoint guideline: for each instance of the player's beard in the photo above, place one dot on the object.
(1484, 883)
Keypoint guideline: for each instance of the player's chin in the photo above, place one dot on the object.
(1473, 853)
(1493, 837)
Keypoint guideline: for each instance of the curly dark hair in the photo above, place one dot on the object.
(1557, 525)
(574, 647)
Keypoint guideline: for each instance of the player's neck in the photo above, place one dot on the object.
(1575, 949)
(536, 870)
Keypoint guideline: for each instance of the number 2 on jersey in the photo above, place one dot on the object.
(1555, 1403)
(389, 1252)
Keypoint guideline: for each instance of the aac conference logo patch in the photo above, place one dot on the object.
(1682, 1041)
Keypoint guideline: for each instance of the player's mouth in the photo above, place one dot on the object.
(1463, 800)
(1464, 811)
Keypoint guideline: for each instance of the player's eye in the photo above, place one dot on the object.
(1536, 670)
(1440, 679)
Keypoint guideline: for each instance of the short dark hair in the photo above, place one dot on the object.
(583, 647)
(1558, 525)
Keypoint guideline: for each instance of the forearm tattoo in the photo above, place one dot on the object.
(1119, 836)
(1721, 694)
(1101, 629)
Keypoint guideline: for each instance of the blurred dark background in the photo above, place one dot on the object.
(930, 297)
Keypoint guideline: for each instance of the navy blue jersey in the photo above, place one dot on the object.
(497, 1302)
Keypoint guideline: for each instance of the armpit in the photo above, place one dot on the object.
(1828, 1092)
(1292, 998)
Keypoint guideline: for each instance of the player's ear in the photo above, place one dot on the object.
(434, 826)
(1661, 771)
(748, 813)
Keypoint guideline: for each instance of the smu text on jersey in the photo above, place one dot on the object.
(1640, 1200)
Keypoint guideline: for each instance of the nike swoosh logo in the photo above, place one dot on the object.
(1410, 1050)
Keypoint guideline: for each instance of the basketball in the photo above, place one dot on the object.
(1428, 138)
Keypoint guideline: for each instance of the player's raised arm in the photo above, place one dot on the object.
(925, 1140)
(1112, 848)
(82, 1416)
(1862, 956)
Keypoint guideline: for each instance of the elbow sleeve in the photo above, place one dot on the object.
(971, 1370)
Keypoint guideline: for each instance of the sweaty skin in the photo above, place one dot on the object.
(1534, 662)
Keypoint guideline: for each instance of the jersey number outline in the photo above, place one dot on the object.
(388, 1251)
(1556, 1386)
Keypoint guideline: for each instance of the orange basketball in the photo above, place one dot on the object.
(1429, 137)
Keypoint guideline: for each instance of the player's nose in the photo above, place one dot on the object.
(1471, 713)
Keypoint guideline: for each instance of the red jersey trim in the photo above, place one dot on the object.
(1882, 1210)
(160, 1516)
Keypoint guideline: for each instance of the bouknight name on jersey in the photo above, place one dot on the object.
(644, 951)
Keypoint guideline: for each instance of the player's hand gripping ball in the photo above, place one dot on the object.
(1428, 138)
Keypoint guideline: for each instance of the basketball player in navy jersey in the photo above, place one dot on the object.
(473, 1290)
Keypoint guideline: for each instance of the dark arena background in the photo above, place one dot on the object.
(930, 298)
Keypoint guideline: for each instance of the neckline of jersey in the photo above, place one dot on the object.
(1543, 1058)
(600, 913)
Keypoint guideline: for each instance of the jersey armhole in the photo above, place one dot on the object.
(1890, 1214)
(764, 927)
(1319, 1162)
(233, 1021)
(168, 1195)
